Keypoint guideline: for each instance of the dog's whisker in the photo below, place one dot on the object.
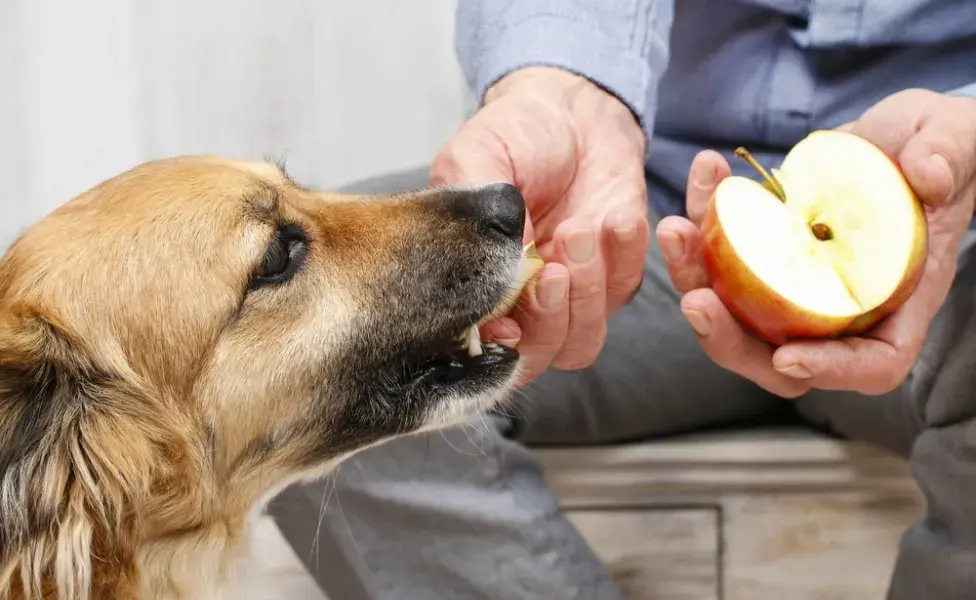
(327, 494)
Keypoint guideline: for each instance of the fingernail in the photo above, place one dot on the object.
(671, 246)
(705, 180)
(554, 291)
(940, 163)
(580, 246)
(796, 371)
(626, 235)
(699, 322)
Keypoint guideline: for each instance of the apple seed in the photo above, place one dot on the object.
(822, 232)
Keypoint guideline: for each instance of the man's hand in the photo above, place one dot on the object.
(577, 155)
(933, 138)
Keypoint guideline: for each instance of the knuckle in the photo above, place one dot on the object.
(576, 356)
(627, 288)
(585, 288)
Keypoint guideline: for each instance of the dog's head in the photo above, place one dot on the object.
(184, 339)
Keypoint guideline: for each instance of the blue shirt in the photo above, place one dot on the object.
(723, 73)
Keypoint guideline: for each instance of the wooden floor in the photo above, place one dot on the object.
(780, 516)
(773, 515)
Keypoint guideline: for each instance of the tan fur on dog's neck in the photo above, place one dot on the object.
(181, 529)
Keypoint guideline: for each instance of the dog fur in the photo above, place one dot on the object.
(185, 339)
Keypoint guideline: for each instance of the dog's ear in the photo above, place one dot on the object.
(67, 469)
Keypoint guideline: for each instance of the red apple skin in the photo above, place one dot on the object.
(760, 310)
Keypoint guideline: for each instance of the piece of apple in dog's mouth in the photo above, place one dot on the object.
(529, 267)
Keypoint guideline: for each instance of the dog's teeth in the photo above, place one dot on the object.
(473, 343)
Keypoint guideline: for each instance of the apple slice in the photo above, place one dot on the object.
(831, 243)
(528, 267)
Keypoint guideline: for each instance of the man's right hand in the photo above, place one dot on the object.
(576, 153)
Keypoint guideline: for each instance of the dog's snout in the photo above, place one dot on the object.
(497, 207)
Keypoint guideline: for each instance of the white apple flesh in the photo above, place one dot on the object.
(832, 243)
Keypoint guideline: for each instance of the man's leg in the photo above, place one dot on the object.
(465, 513)
(932, 421)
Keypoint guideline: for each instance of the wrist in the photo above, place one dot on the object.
(586, 101)
(551, 81)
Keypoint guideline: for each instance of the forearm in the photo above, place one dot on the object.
(620, 45)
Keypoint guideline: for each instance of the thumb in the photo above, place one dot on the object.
(476, 156)
(472, 156)
(929, 135)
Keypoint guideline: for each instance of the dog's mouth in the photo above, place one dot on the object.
(456, 364)
(467, 356)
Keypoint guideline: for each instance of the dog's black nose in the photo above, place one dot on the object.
(497, 207)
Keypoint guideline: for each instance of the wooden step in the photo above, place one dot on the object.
(750, 515)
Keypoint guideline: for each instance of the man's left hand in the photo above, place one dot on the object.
(933, 138)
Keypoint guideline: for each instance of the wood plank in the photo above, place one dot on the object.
(817, 547)
(700, 469)
(802, 516)
(656, 554)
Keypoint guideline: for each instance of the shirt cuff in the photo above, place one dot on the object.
(968, 91)
(557, 41)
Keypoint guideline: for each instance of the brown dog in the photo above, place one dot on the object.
(186, 339)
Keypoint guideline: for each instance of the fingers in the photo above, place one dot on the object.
(729, 346)
(864, 365)
(938, 160)
(932, 136)
(577, 246)
(679, 238)
(543, 316)
(680, 244)
(504, 330)
(707, 170)
(626, 237)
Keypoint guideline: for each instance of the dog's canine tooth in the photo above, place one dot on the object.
(472, 342)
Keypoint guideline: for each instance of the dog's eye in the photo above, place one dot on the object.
(282, 259)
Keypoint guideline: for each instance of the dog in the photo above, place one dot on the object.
(187, 338)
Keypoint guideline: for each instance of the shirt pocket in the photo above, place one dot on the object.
(833, 24)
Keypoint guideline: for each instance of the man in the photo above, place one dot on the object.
(618, 117)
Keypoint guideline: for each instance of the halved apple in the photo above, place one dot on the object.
(529, 267)
(831, 243)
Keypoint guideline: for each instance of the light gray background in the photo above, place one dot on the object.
(342, 88)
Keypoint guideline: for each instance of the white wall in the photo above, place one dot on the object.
(343, 88)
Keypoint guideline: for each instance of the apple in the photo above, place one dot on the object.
(529, 267)
(828, 245)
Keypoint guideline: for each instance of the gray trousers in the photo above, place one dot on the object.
(465, 514)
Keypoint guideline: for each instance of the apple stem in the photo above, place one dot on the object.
(777, 187)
